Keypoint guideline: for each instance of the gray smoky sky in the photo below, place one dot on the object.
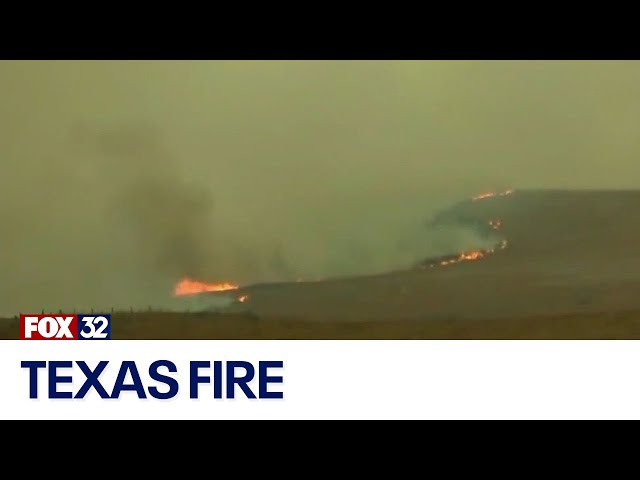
(119, 177)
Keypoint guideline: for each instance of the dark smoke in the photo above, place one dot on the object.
(168, 220)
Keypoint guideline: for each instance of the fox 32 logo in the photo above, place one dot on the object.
(65, 327)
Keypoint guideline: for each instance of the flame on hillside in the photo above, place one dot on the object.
(189, 286)
(471, 255)
(492, 194)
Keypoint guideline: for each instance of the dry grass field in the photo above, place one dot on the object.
(151, 326)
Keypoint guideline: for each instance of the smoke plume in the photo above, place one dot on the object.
(118, 178)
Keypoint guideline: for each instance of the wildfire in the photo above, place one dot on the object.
(469, 256)
(243, 298)
(188, 286)
(464, 256)
(492, 194)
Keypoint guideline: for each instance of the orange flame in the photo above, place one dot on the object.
(188, 286)
(243, 298)
(483, 195)
(492, 194)
(470, 256)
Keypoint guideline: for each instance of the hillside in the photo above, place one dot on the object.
(570, 269)
(567, 253)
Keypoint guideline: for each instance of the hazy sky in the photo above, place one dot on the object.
(119, 177)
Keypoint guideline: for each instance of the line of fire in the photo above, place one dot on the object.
(189, 286)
